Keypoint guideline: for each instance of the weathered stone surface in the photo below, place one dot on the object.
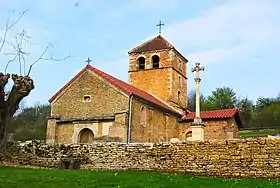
(162, 82)
(223, 159)
(214, 129)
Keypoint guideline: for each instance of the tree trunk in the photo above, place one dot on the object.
(9, 103)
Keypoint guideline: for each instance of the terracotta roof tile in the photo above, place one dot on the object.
(156, 43)
(214, 114)
(124, 87)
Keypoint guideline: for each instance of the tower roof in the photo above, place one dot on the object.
(156, 43)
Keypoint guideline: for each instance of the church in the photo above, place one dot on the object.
(151, 107)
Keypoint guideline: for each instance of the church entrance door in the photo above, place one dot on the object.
(86, 136)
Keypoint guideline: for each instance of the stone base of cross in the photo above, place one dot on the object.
(197, 128)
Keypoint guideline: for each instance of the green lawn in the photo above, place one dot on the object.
(32, 178)
(264, 133)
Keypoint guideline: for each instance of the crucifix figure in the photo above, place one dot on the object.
(88, 61)
(197, 80)
(159, 25)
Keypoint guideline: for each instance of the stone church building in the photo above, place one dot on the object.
(152, 107)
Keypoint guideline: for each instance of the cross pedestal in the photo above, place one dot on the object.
(197, 128)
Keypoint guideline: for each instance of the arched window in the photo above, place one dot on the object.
(180, 64)
(86, 136)
(143, 123)
(141, 63)
(179, 96)
(189, 135)
(155, 60)
(179, 82)
(143, 116)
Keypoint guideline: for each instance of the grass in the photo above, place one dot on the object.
(264, 133)
(26, 178)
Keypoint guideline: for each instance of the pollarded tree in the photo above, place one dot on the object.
(22, 82)
(221, 98)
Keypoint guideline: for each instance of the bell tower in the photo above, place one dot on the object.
(159, 69)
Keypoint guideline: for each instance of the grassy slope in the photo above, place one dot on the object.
(23, 178)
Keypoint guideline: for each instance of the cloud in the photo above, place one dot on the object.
(227, 30)
(154, 5)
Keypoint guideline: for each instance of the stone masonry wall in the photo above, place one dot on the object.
(105, 100)
(158, 126)
(228, 158)
(162, 82)
(214, 129)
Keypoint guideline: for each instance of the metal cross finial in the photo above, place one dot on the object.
(159, 25)
(88, 61)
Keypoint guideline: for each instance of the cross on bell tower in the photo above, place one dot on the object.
(159, 27)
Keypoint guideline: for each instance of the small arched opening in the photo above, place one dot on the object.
(179, 96)
(189, 136)
(141, 63)
(86, 136)
(155, 60)
(142, 121)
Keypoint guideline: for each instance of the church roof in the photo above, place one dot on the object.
(124, 87)
(156, 43)
(216, 114)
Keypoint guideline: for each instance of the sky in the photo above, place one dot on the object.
(237, 41)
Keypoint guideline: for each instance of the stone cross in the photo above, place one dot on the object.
(88, 61)
(197, 80)
(159, 25)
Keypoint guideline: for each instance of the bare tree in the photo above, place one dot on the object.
(22, 82)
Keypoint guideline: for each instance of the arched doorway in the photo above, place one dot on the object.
(86, 136)
(189, 136)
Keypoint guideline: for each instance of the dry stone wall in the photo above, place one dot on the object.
(229, 158)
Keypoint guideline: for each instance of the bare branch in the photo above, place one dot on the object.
(46, 59)
(54, 59)
(12, 60)
(41, 56)
(18, 52)
(10, 26)
(23, 58)
(19, 60)
(17, 20)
